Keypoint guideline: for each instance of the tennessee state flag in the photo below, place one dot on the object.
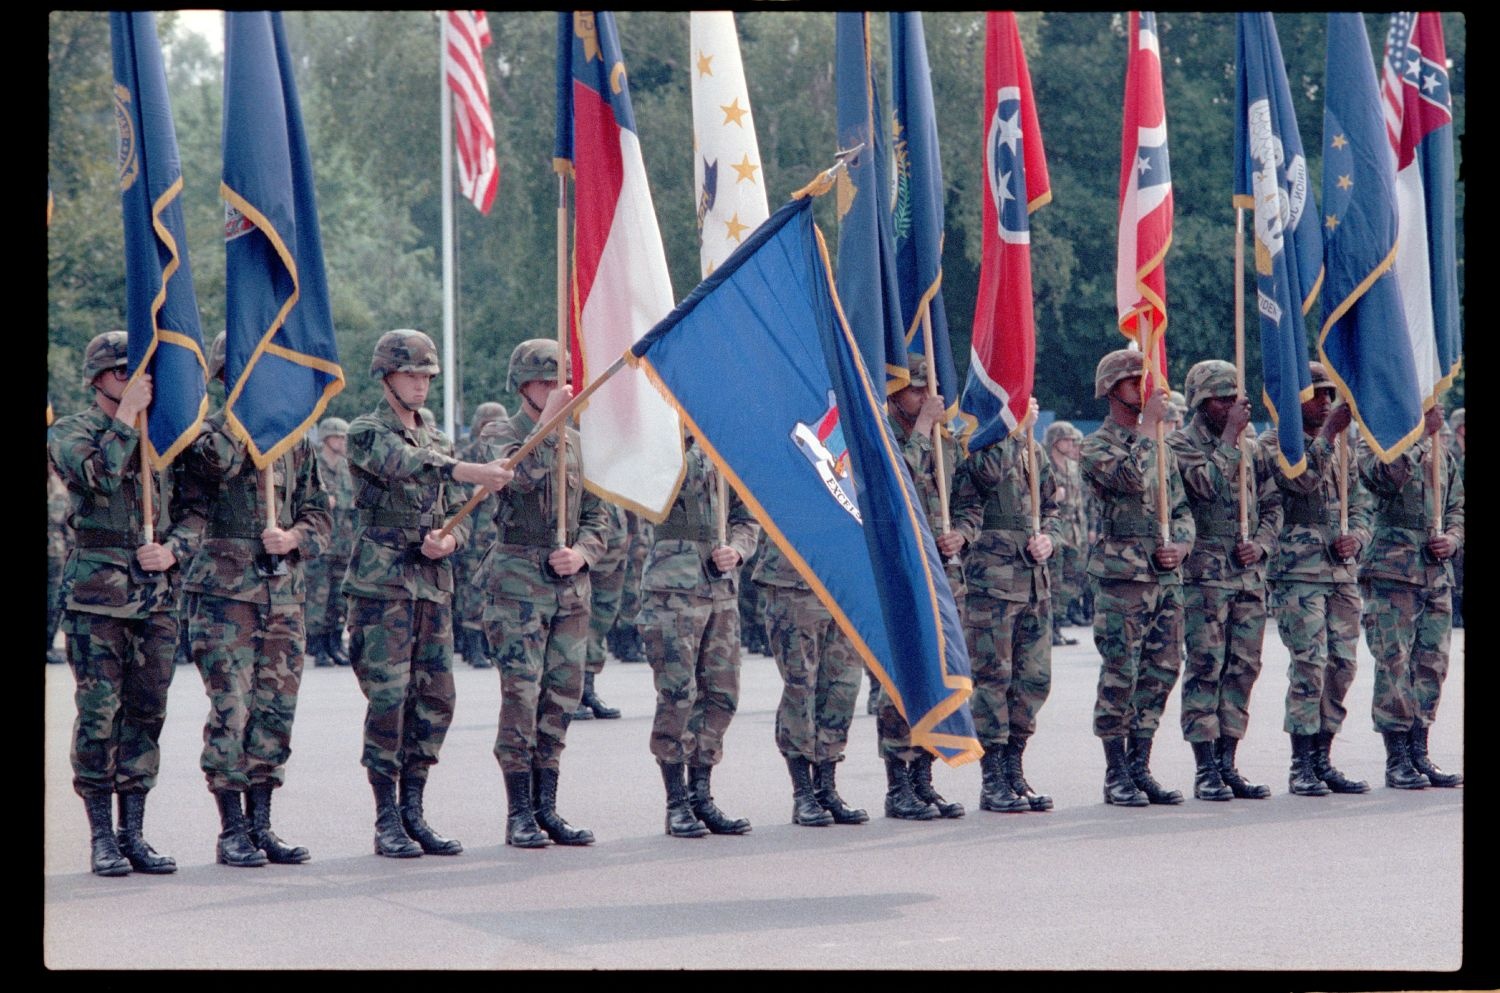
(1145, 204)
(631, 437)
(1002, 359)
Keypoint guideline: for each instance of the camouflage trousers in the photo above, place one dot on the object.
(539, 649)
(1223, 631)
(608, 587)
(1010, 654)
(1319, 624)
(893, 733)
(250, 658)
(122, 667)
(1067, 581)
(1138, 633)
(693, 645)
(326, 608)
(819, 672)
(402, 655)
(1408, 628)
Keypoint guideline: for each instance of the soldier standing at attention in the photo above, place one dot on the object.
(1009, 608)
(1224, 595)
(1315, 592)
(400, 589)
(326, 607)
(245, 589)
(1136, 578)
(120, 608)
(1060, 441)
(690, 630)
(537, 615)
(1407, 581)
(468, 598)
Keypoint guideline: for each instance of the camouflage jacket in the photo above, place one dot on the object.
(525, 516)
(1072, 504)
(1310, 516)
(1402, 521)
(992, 510)
(482, 519)
(403, 488)
(921, 462)
(340, 485)
(1119, 465)
(1211, 476)
(98, 460)
(220, 493)
(679, 559)
(773, 568)
(59, 535)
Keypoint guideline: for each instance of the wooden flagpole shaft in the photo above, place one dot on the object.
(563, 364)
(1161, 432)
(268, 486)
(1034, 464)
(1436, 454)
(1239, 362)
(148, 513)
(939, 470)
(1341, 460)
(723, 513)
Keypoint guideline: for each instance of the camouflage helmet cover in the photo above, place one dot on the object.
(404, 350)
(105, 351)
(1456, 419)
(1211, 378)
(484, 413)
(917, 366)
(1121, 364)
(1058, 431)
(216, 353)
(533, 359)
(1320, 378)
(333, 427)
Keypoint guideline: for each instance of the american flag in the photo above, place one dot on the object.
(468, 35)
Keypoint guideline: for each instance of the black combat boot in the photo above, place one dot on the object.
(826, 792)
(1242, 789)
(1139, 762)
(1417, 747)
(682, 822)
(921, 785)
(520, 822)
(1303, 780)
(415, 822)
(1015, 748)
(995, 791)
(336, 650)
(1324, 770)
(391, 839)
(590, 701)
(701, 799)
(1400, 774)
(1058, 638)
(234, 846)
(1119, 788)
(105, 858)
(1208, 782)
(900, 802)
(544, 803)
(142, 857)
(258, 812)
(317, 647)
(805, 808)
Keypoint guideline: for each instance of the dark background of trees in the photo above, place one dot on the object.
(369, 83)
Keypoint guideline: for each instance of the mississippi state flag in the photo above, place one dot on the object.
(1419, 122)
(632, 440)
(1002, 359)
(1145, 204)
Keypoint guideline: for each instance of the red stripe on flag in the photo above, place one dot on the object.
(474, 130)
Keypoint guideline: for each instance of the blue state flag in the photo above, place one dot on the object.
(1271, 181)
(917, 214)
(765, 371)
(1364, 342)
(867, 285)
(281, 360)
(161, 309)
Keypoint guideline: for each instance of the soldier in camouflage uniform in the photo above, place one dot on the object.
(1407, 583)
(537, 614)
(120, 601)
(1009, 619)
(1060, 442)
(1314, 591)
(325, 608)
(244, 591)
(624, 638)
(58, 540)
(1179, 412)
(606, 583)
(468, 597)
(400, 589)
(909, 793)
(1136, 578)
(820, 676)
(1224, 594)
(1456, 429)
(690, 628)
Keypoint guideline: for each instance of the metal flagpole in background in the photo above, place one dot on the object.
(445, 115)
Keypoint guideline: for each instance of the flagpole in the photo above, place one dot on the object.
(939, 470)
(445, 137)
(1143, 330)
(1239, 362)
(146, 509)
(1436, 453)
(1341, 458)
(268, 484)
(723, 513)
(563, 365)
(1033, 460)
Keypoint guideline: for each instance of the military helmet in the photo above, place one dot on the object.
(216, 353)
(105, 351)
(333, 427)
(1176, 399)
(1058, 431)
(917, 366)
(1456, 419)
(404, 350)
(1121, 364)
(484, 413)
(1211, 378)
(1320, 378)
(533, 359)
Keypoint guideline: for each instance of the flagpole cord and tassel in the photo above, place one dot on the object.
(939, 470)
(1239, 365)
(823, 181)
(563, 363)
(147, 511)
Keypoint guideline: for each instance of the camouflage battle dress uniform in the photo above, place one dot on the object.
(1408, 593)
(1224, 603)
(468, 597)
(690, 629)
(245, 625)
(820, 676)
(607, 584)
(326, 607)
(1009, 610)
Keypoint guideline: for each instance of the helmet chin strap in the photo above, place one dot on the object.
(399, 398)
(106, 394)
